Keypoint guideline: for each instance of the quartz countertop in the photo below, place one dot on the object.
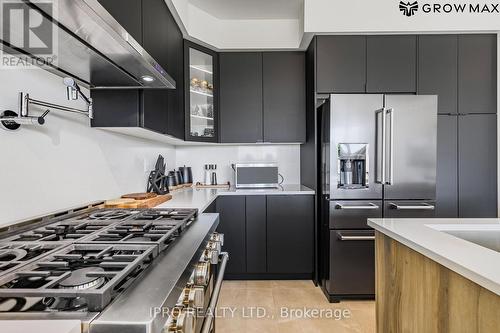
(202, 198)
(442, 241)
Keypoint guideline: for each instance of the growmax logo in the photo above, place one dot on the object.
(408, 8)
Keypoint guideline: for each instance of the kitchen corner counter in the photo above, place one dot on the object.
(442, 240)
(202, 198)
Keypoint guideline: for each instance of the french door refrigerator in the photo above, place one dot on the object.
(378, 159)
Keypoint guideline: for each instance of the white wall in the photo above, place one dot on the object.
(287, 157)
(64, 163)
(357, 16)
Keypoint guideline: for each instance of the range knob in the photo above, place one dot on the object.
(201, 274)
(214, 246)
(217, 238)
(180, 321)
(211, 256)
(193, 297)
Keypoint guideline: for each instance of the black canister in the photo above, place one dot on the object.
(187, 174)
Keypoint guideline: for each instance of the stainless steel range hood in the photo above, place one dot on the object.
(91, 46)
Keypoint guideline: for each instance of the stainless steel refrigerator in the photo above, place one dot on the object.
(378, 159)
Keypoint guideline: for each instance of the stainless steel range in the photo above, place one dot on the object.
(149, 270)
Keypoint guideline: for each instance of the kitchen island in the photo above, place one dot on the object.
(437, 275)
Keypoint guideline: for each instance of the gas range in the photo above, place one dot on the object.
(106, 267)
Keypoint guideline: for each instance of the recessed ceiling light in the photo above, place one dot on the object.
(147, 78)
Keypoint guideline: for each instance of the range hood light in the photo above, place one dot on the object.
(147, 78)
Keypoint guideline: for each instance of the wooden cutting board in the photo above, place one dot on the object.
(131, 203)
(139, 196)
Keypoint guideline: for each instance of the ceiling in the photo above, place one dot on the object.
(251, 9)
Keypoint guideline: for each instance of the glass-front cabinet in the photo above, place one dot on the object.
(201, 93)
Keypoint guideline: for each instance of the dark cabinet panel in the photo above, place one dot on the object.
(391, 64)
(115, 108)
(447, 168)
(241, 97)
(155, 110)
(284, 96)
(128, 13)
(256, 233)
(231, 211)
(477, 74)
(290, 223)
(477, 165)
(341, 64)
(437, 70)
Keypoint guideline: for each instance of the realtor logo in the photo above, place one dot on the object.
(27, 30)
(408, 8)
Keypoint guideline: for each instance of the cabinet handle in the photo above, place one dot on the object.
(356, 238)
(369, 206)
(413, 207)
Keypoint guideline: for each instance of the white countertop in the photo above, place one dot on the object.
(202, 198)
(428, 237)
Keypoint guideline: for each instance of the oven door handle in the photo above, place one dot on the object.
(207, 324)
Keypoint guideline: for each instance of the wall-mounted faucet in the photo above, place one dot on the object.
(12, 120)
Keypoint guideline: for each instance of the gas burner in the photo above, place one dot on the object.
(83, 279)
(15, 255)
(78, 277)
(112, 214)
(153, 226)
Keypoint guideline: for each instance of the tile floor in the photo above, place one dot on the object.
(278, 306)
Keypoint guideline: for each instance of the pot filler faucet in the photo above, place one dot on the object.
(13, 120)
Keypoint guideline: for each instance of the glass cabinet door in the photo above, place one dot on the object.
(201, 93)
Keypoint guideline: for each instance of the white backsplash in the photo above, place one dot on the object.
(287, 157)
(64, 163)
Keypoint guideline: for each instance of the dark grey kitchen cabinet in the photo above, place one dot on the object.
(161, 111)
(438, 70)
(447, 171)
(256, 234)
(128, 13)
(290, 234)
(240, 97)
(232, 223)
(477, 74)
(477, 165)
(391, 64)
(284, 96)
(341, 64)
(163, 40)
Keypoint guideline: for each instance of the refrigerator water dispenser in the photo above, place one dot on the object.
(353, 165)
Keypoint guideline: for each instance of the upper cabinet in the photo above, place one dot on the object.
(161, 111)
(241, 97)
(201, 91)
(477, 72)
(262, 97)
(284, 86)
(438, 70)
(341, 63)
(391, 64)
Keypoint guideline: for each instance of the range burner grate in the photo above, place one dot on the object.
(89, 275)
(15, 255)
(159, 226)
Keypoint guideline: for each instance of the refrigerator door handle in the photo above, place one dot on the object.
(382, 146)
(390, 163)
(424, 206)
(356, 207)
